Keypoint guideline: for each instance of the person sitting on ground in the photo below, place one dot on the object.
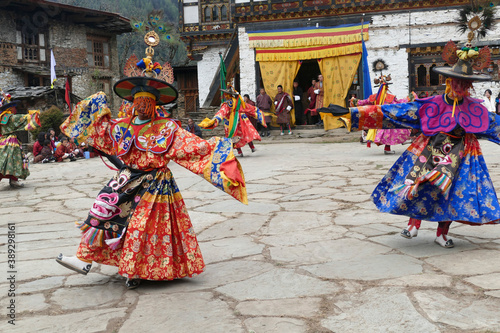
(64, 151)
(77, 152)
(46, 155)
(193, 128)
(84, 147)
(51, 135)
(37, 147)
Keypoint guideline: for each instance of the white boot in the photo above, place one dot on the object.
(413, 232)
(444, 241)
(15, 183)
(74, 263)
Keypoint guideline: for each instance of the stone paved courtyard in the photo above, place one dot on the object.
(310, 253)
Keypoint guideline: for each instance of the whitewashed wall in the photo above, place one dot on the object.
(387, 34)
(207, 68)
(247, 65)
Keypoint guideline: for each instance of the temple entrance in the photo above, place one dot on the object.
(308, 70)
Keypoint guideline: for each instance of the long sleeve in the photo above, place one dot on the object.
(387, 116)
(222, 113)
(254, 112)
(219, 116)
(89, 122)
(11, 123)
(212, 159)
(493, 132)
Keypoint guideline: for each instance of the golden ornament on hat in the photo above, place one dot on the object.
(152, 39)
(474, 23)
(380, 65)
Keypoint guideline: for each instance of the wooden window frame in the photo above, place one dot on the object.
(98, 56)
(34, 47)
(213, 7)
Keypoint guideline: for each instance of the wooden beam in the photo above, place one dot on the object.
(86, 19)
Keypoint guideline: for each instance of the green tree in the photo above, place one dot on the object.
(50, 118)
(173, 50)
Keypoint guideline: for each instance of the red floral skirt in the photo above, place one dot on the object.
(160, 243)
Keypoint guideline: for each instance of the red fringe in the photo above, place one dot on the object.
(145, 103)
(461, 87)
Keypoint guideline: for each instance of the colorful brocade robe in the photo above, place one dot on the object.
(12, 163)
(244, 132)
(139, 221)
(442, 176)
(388, 136)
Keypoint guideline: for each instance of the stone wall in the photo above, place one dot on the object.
(207, 68)
(8, 53)
(8, 56)
(8, 31)
(387, 34)
(10, 78)
(69, 44)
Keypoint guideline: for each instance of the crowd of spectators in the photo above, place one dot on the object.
(48, 148)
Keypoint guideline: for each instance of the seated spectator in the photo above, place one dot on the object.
(84, 147)
(59, 139)
(52, 137)
(52, 144)
(64, 151)
(77, 152)
(46, 155)
(37, 147)
(193, 128)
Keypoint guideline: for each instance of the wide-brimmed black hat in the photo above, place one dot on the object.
(230, 92)
(11, 104)
(164, 92)
(463, 70)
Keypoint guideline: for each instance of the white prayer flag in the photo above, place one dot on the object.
(53, 77)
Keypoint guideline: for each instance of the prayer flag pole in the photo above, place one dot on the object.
(53, 77)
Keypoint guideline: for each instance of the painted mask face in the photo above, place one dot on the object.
(121, 180)
(104, 207)
(443, 152)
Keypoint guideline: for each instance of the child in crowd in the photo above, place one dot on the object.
(37, 147)
(64, 151)
(46, 154)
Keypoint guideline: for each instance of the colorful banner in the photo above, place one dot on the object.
(308, 43)
(309, 36)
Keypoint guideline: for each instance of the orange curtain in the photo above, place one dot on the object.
(338, 73)
(276, 73)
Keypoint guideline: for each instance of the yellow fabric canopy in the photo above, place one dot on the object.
(305, 53)
(275, 73)
(338, 73)
(338, 50)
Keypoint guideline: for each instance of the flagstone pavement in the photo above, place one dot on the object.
(310, 253)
